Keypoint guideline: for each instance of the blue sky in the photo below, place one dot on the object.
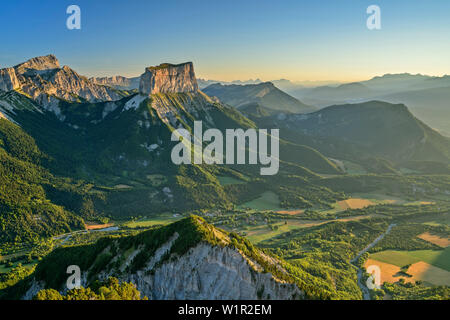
(293, 39)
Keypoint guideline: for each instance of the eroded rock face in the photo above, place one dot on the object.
(38, 63)
(168, 78)
(215, 273)
(204, 272)
(8, 79)
(45, 81)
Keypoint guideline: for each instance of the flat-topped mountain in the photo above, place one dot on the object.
(168, 78)
(265, 94)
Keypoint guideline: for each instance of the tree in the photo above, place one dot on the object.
(48, 294)
(109, 290)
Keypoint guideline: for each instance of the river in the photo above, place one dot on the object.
(362, 286)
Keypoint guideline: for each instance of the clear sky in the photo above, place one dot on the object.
(233, 39)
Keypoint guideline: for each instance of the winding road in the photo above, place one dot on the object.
(364, 289)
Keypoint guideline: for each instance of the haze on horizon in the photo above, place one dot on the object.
(234, 40)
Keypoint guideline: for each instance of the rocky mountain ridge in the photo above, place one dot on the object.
(43, 80)
(379, 128)
(188, 259)
(265, 94)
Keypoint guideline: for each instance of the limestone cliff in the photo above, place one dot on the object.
(208, 272)
(43, 80)
(168, 78)
(189, 259)
(8, 79)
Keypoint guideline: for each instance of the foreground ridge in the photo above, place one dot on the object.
(188, 259)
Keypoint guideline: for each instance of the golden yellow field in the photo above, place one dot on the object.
(290, 212)
(437, 240)
(98, 226)
(388, 271)
(428, 273)
(354, 203)
(419, 271)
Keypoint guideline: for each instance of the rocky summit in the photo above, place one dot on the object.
(43, 80)
(168, 78)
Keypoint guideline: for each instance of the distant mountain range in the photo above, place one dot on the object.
(432, 105)
(203, 83)
(426, 96)
(282, 84)
(365, 132)
(118, 82)
(266, 94)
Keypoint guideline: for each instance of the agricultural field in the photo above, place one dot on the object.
(379, 198)
(264, 232)
(417, 271)
(430, 266)
(267, 201)
(354, 203)
(91, 226)
(389, 272)
(438, 258)
(259, 233)
(270, 201)
(443, 242)
(162, 219)
(291, 212)
(428, 273)
(435, 220)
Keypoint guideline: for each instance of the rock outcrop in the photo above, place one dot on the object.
(38, 63)
(43, 80)
(168, 78)
(213, 273)
(188, 259)
(8, 79)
